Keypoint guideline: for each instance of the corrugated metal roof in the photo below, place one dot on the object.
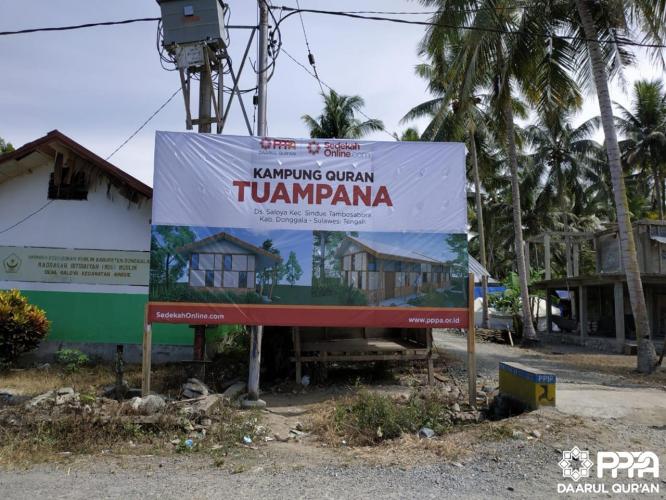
(660, 239)
(391, 251)
(479, 271)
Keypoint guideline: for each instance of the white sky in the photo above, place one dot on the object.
(98, 85)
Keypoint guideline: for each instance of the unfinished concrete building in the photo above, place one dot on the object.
(592, 299)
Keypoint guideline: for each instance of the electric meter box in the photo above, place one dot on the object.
(191, 21)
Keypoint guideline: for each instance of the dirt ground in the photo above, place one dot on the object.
(602, 405)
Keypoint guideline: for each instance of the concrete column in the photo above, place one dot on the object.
(576, 259)
(549, 318)
(582, 315)
(619, 314)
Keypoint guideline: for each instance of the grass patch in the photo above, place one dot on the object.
(37, 441)
(166, 379)
(368, 418)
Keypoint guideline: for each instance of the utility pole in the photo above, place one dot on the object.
(205, 87)
(256, 332)
(262, 125)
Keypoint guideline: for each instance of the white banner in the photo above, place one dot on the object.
(309, 184)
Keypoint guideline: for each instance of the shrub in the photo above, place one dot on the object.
(22, 326)
(350, 296)
(71, 359)
(369, 418)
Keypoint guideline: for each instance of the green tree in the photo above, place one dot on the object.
(5, 147)
(503, 66)
(410, 134)
(644, 128)
(292, 269)
(166, 264)
(338, 119)
(599, 30)
(272, 274)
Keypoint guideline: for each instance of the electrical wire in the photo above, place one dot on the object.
(321, 82)
(80, 26)
(275, 46)
(144, 124)
(291, 11)
(311, 58)
(27, 217)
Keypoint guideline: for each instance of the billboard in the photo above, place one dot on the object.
(308, 232)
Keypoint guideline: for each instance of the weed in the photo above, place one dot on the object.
(369, 418)
(72, 359)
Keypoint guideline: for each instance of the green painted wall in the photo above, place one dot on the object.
(103, 317)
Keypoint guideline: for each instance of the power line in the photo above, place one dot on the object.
(311, 58)
(144, 124)
(27, 217)
(321, 82)
(291, 11)
(357, 15)
(80, 26)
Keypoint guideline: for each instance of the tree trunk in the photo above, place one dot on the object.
(657, 189)
(646, 353)
(322, 251)
(479, 219)
(529, 334)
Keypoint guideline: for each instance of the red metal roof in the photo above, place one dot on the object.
(106, 167)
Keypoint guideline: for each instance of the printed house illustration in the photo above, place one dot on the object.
(384, 272)
(222, 261)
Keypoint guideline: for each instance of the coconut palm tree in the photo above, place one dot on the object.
(565, 153)
(338, 119)
(482, 56)
(599, 30)
(644, 127)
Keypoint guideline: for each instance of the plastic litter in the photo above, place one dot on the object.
(426, 432)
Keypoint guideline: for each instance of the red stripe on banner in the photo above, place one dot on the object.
(210, 314)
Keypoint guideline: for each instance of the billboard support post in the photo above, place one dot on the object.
(471, 344)
(147, 351)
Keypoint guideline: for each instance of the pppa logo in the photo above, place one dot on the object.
(576, 463)
(636, 463)
(313, 147)
(270, 143)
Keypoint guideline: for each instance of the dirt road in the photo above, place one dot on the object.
(581, 390)
(597, 409)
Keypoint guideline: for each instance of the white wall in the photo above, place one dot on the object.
(100, 222)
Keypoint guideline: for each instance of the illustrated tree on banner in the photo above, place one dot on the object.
(292, 269)
(167, 266)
